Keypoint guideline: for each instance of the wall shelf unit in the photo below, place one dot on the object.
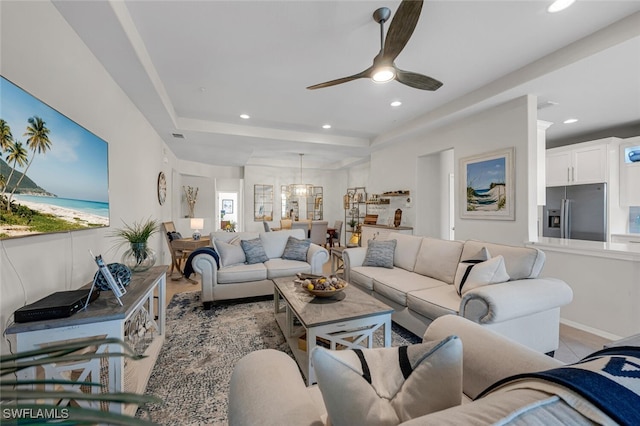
(355, 210)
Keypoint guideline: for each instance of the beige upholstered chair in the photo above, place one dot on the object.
(319, 232)
(285, 223)
(177, 256)
(301, 225)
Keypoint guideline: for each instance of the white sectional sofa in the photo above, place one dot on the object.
(236, 279)
(420, 288)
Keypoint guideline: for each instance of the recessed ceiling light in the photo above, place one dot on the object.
(559, 5)
(396, 103)
(326, 126)
(570, 121)
(245, 116)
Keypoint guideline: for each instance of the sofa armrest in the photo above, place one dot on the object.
(316, 257)
(206, 266)
(352, 257)
(487, 356)
(500, 302)
(266, 389)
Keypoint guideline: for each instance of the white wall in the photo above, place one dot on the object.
(44, 56)
(512, 124)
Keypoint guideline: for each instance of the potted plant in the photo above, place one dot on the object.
(139, 257)
(353, 223)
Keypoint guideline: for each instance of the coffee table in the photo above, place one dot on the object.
(345, 321)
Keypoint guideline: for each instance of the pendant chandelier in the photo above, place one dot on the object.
(300, 189)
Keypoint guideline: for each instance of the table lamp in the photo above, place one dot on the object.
(197, 224)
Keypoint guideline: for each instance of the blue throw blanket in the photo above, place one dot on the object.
(188, 268)
(609, 379)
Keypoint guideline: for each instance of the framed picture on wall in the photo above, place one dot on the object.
(487, 186)
(227, 206)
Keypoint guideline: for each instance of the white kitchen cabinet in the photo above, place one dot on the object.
(577, 164)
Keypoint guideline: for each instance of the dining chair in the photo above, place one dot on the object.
(332, 239)
(285, 223)
(301, 225)
(318, 233)
(177, 256)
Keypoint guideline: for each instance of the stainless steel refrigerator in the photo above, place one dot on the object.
(577, 212)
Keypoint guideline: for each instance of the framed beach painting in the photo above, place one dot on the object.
(488, 186)
(54, 173)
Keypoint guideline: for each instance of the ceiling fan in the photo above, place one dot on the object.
(384, 69)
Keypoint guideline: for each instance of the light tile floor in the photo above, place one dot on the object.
(574, 344)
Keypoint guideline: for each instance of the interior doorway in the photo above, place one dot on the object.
(435, 200)
(228, 211)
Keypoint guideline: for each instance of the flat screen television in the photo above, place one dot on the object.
(54, 173)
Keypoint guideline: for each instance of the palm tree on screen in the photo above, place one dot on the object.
(6, 138)
(38, 141)
(18, 155)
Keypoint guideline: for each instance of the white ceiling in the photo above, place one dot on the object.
(192, 67)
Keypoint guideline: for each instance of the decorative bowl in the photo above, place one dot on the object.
(304, 283)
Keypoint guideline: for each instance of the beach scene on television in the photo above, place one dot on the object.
(54, 174)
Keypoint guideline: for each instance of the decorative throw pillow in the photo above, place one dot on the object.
(380, 253)
(253, 251)
(476, 273)
(174, 235)
(296, 249)
(388, 386)
(230, 254)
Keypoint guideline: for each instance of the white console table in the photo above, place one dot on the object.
(134, 323)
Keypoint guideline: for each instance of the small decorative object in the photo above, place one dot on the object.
(139, 257)
(230, 226)
(162, 188)
(634, 156)
(397, 219)
(353, 223)
(197, 225)
(191, 195)
(120, 272)
(488, 186)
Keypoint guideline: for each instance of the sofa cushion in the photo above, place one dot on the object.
(439, 259)
(388, 386)
(406, 250)
(296, 249)
(395, 284)
(434, 302)
(380, 253)
(242, 273)
(362, 276)
(230, 254)
(275, 242)
(476, 273)
(254, 251)
(521, 262)
(277, 268)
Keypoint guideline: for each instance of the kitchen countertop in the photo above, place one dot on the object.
(621, 251)
(398, 228)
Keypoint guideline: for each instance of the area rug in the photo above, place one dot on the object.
(202, 347)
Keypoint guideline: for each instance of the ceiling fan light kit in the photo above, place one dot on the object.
(384, 68)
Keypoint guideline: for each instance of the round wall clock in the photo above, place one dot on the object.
(162, 188)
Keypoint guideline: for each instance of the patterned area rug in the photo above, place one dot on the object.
(201, 349)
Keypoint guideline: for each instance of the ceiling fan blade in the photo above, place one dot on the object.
(417, 81)
(401, 28)
(364, 74)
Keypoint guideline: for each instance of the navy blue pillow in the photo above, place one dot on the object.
(174, 235)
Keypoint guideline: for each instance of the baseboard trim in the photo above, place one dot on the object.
(597, 332)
